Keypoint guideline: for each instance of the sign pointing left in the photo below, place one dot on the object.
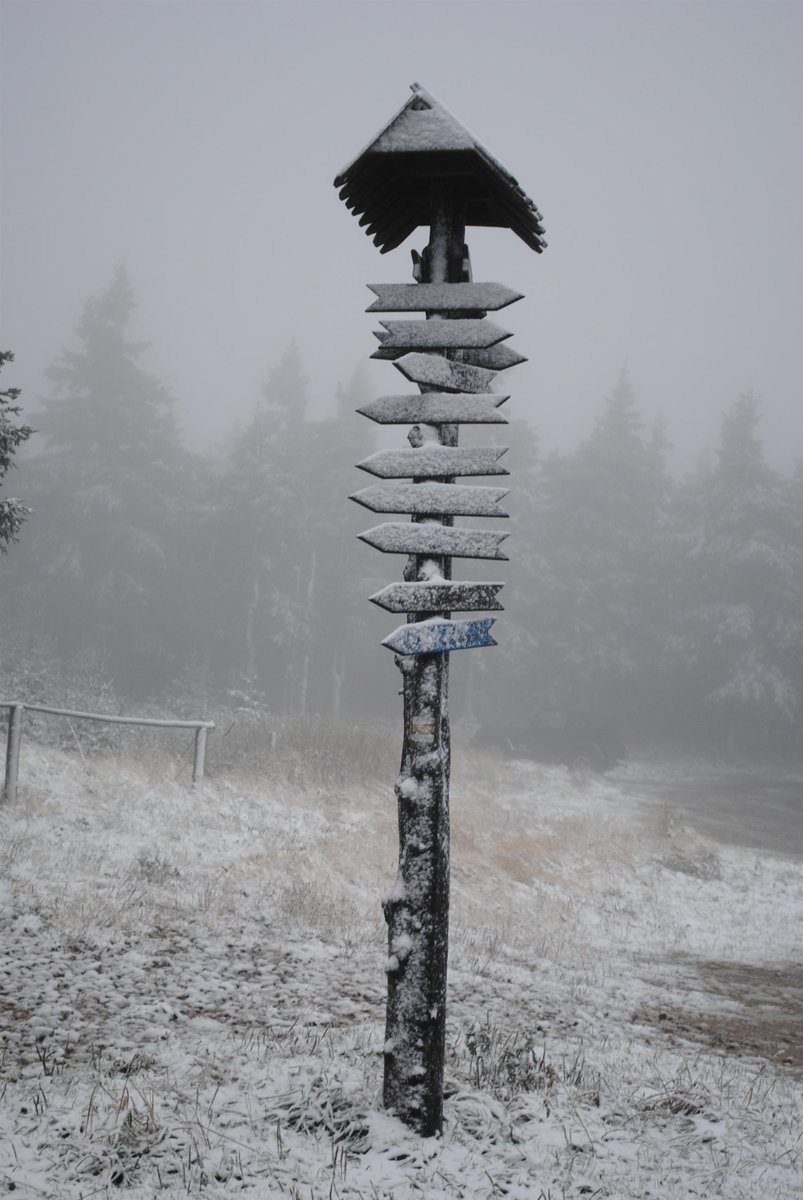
(438, 636)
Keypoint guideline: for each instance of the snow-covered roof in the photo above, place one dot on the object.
(388, 184)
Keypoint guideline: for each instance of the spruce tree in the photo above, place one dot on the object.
(12, 511)
(344, 669)
(264, 540)
(603, 510)
(741, 615)
(107, 493)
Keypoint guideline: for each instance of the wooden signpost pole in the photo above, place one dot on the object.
(424, 168)
(417, 910)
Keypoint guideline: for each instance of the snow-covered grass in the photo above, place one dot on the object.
(192, 991)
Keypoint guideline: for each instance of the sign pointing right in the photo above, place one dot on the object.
(439, 597)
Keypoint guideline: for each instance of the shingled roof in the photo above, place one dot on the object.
(388, 184)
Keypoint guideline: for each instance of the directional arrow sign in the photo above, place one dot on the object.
(439, 636)
(438, 597)
(441, 297)
(442, 335)
(436, 408)
(432, 370)
(498, 358)
(434, 460)
(432, 499)
(434, 540)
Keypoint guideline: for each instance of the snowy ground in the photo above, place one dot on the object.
(192, 989)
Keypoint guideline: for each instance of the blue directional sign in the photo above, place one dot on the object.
(439, 636)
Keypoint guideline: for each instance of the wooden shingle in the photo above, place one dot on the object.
(388, 184)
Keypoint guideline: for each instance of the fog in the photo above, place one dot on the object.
(174, 164)
(199, 143)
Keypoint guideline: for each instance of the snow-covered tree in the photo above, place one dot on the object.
(264, 540)
(742, 587)
(106, 490)
(343, 669)
(604, 510)
(12, 511)
(505, 684)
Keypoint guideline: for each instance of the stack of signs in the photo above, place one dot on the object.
(454, 391)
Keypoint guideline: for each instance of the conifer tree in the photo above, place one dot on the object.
(742, 587)
(264, 540)
(603, 508)
(506, 684)
(107, 491)
(12, 511)
(345, 575)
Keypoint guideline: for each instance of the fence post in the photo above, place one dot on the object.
(15, 714)
(200, 753)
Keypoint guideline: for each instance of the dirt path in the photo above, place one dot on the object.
(757, 1011)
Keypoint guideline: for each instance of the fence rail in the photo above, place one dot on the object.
(17, 710)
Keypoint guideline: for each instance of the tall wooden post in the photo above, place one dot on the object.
(417, 913)
(424, 168)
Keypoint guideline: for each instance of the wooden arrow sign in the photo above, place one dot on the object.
(434, 540)
(432, 499)
(438, 597)
(441, 335)
(431, 370)
(436, 408)
(441, 297)
(497, 358)
(440, 636)
(434, 461)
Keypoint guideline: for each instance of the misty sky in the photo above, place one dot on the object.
(199, 141)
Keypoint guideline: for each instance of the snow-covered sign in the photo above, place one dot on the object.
(434, 540)
(436, 408)
(496, 358)
(438, 637)
(432, 460)
(439, 597)
(432, 499)
(425, 168)
(435, 371)
(465, 334)
(441, 297)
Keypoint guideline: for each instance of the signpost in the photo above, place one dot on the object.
(441, 297)
(437, 372)
(424, 168)
(436, 409)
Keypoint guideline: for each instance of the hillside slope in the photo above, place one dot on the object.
(192, 992)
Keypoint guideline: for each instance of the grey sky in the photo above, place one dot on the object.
(199, 141)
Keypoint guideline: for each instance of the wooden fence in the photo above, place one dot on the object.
(16, 713)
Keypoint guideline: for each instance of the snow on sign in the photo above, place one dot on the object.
(433, 460)
(425, 168)
(468, 334)
(433, 540)
(432, 499)
(436, 408)
(434, 371)
(438, 597)
(496, 358)
(441, 297)
(437, 637)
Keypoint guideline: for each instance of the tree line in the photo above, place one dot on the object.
(676, 603)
